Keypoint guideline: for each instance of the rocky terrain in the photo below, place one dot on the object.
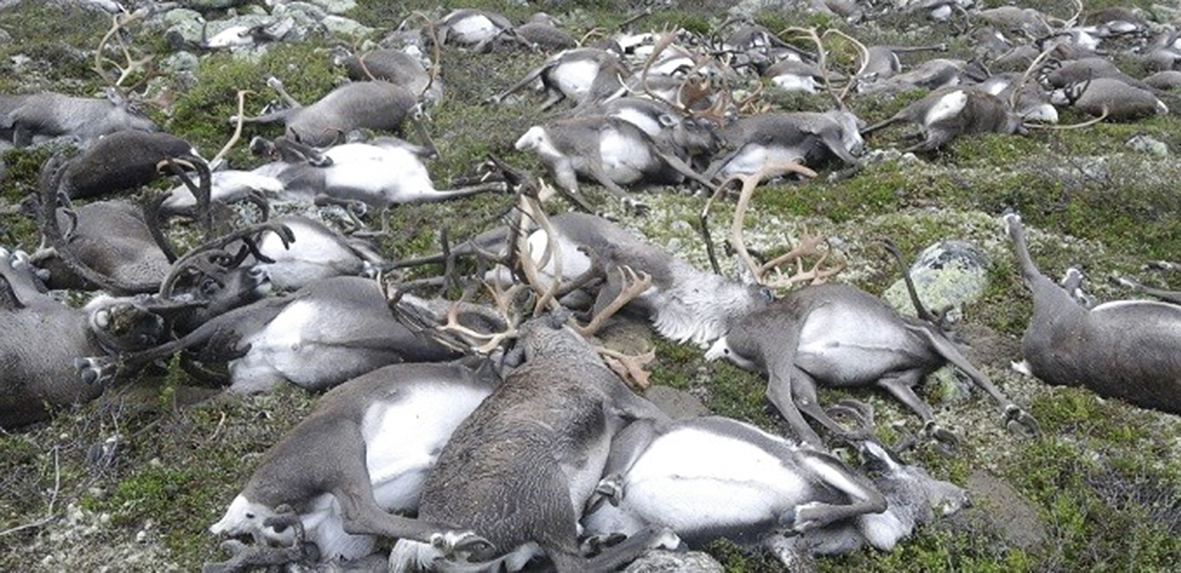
(133, 480)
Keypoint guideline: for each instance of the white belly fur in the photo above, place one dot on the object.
(691, 479)
(623, 157)
(575, 78)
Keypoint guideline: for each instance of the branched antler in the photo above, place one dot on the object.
(634, 284)
(212, 260)
(808, 246)
(119, 22)
(486, 343)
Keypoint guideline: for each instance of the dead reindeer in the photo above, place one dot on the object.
(931, 74)
(363, 452)
(127, 160)
(882, 62)
(609, 151)
(394, 66)
(711, 477)
(1165, 81)
(311, 252)
(36, 117)
(43, 337)
(807, 138)
(950, 112)
(379, 106)
(580, 75)
(840, 336)
(241, 35)
(381, 172)
(134, 255)
(543, 31)
(691, 136)
(1122, 349)
(519, 470)
(1109, 98)
(317, 337)
(476, 29)
(1032, 103)
(106, 166)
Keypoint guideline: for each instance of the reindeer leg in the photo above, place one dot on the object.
(277, 85)
(1017, 420)
(595, 167)
(803, 390)
(555, 97)
(780, 394)
(1136, 287)
(362, 515)
(865, 498)
(901, 386)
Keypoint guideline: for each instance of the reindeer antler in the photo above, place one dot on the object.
(118, 22)
(809, 245)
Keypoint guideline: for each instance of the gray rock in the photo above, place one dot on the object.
(951, 273)
(1148, 144)
(4, 37)
(181, 62)
(678, 404)
(661, 561)
(335, 6)
(339, 26)
(1015, 519)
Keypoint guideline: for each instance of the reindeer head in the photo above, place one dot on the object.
(124, 324)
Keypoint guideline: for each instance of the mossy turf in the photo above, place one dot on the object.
(1103, 478)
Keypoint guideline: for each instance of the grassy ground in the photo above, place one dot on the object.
(1100, 489)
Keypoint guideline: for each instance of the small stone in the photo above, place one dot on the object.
(181, 62)
(335, 6)
(141, 537)
(339, 26)
(1148, 144)
(661, 561)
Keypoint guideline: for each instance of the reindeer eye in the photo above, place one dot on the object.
(249, 515)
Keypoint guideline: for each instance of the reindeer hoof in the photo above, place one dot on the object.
(609, 489)
(94, 370)
(595, 544)
(801, 518)
(945, 441)
(463, 546)
(635, 206)
(1020, 422)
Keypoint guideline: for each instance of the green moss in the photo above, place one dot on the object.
(202, 114)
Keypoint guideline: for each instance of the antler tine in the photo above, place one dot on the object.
(665, 41)
(629, 367)
(749, 182)
(491, 341)
(821, 58)
(1025, 77)
(1074, 20)
(809, 246)
(860, 69)
(546, 296)
(225, 150)
(118, 22)
(636, 283)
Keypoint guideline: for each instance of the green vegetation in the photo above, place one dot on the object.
(1103, 479)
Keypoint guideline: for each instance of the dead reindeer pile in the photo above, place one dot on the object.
(501, 421)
